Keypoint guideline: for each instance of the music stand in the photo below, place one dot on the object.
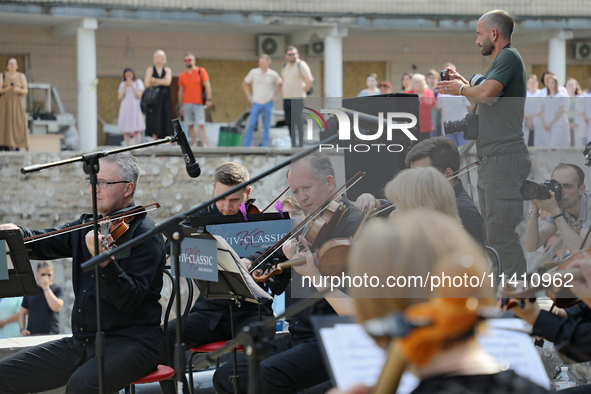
(234, 283)
(21, 280)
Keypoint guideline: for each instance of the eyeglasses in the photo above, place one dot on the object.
(187, 60)
(104, 184)
(291, 54)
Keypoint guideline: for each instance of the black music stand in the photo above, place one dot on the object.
(234, 283)
(21, 280)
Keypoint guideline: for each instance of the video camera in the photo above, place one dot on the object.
(540, 191)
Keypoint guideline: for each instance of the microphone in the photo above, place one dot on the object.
(192, 166)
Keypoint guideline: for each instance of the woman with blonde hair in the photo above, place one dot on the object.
(159, 116)
(440, 345)
(422, 188)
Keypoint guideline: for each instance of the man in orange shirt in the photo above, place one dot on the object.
(192, 81)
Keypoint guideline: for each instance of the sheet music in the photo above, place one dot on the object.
(8, 259)
(229, 261)
(355, 358)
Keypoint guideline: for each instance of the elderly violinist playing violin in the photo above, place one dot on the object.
(296, 363)
(131, 285)
(209, 319)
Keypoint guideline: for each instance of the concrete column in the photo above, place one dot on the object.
(87, 82)
(557, 55)
(333, 63)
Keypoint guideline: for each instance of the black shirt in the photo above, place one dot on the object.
(574, 331)
(130, 285)
(507, 382)
(469, 214)
(42, 320)
(301, 326)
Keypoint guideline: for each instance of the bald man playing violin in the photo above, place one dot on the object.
(130, 290)
(296, 362)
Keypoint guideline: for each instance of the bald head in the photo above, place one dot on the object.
(499, 20)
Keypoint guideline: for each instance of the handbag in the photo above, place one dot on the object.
(203, 91)
(149, 99)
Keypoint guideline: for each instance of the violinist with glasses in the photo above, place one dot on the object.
(296, 362)
(131, 283)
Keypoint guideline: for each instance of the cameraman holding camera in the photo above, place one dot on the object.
(501, 150)
(570, 215)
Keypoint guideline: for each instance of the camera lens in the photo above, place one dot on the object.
(532, 190)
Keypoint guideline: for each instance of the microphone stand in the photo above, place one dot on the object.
(90, 165)
(172, 228)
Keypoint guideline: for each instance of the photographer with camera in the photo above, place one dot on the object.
(569, 205)
(501, 150)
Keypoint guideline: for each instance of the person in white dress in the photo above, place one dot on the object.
(531, 114)
(575, 118)
(585, 112)
(554, 116)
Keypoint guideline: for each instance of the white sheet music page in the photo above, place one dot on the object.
(257, 291)
(355, 358)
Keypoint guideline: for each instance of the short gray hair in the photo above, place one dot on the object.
(321, 166)
(128, 168)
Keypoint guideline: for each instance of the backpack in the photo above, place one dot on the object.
(203, 91)
(311, 90)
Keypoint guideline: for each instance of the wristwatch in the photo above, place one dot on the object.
(534, 215)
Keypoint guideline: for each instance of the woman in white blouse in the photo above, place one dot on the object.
(554, 114)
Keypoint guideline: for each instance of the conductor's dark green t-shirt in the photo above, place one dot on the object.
(501, 121)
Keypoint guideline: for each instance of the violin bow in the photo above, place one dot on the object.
(265, 256)
(384, 207)
(133, 212)
(277, 198)
(463, 170)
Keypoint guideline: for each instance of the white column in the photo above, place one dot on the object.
(557, 55)
(87, 81)
(333, 63)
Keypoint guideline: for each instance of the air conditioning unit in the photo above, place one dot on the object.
(583, 50)
(316, 49)
(273, 46)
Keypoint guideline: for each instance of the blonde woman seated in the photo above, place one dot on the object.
(441, 349)
(422, 188)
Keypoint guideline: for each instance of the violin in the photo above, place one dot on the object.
(356, 178)
(317, 230)
(332, 257)
(115, 229)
